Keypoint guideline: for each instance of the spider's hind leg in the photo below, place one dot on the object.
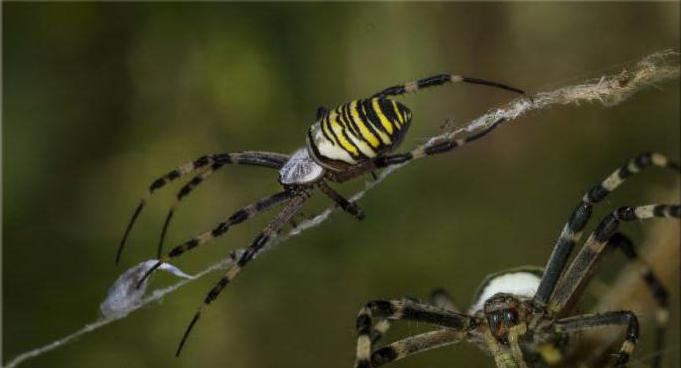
(438, 80)
(442, 146)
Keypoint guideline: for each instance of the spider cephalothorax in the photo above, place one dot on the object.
(522, 316)
(503, 312)
(343, 143)
(501, 301)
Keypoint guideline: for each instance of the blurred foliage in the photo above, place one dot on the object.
(100, 98)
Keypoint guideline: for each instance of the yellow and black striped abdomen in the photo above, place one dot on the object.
(357, 131)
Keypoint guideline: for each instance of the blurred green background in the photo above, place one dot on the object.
(100, 98)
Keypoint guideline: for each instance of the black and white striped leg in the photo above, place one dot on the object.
(442, 146)
(618, 318)
(253, 158)
(438, 80)
(415, 344)
(292, 207)
(183, 192)
(441, 299)
(236, 218)
(572, 230)
(381, 326)
(656, 288)
(576, 275)
(347, 206)
(400, 310)
(438, 298)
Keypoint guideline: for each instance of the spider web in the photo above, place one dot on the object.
(608, 90)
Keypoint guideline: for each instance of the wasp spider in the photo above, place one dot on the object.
(520, 316)
(351, 140)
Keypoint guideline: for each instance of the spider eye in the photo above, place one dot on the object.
(510, 318)
(493, 321)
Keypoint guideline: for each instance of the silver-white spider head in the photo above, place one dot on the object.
(521, 282)
(300, 169)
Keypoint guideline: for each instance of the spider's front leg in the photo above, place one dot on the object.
(438, 298)
(236, 218)
(294, 205)
(404, 310)
(415, 344)
(207, 165)
(183, 192)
